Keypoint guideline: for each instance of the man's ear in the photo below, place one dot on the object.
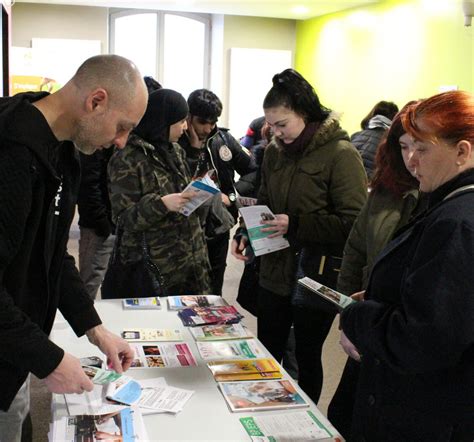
(464, 151)
(97, 100)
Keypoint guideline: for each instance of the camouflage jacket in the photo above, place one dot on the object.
(138, 177)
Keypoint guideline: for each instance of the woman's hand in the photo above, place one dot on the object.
(278, 226)
(174, 202)
(237, 248)
(348, 347)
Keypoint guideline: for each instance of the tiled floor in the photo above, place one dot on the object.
(333, 357)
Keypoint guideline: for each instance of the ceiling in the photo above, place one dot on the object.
(290, 9)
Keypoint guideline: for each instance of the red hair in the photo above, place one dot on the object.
(448, 116)
(390, 170)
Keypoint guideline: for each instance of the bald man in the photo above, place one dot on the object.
(39, 181)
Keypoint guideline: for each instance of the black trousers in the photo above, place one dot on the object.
(217, 249)
(275, 317)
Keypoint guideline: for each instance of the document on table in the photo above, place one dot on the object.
(254, 217)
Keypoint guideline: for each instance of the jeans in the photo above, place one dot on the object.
(275, 317)
(94, 254)
(11, 421)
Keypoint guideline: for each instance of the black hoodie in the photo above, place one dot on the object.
(39, 181)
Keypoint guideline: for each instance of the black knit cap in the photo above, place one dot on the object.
(165, 107)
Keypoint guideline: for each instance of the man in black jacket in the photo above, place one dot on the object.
(39, 181)
(210, 147)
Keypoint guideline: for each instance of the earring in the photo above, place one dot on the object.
(458, 163)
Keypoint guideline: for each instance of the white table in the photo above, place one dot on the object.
(206, 416)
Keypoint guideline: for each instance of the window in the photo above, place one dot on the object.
(171, 47)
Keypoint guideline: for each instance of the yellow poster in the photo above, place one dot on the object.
(25, 83)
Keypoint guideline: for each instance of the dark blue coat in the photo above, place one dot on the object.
(416, 328)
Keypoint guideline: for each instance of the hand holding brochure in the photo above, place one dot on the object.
(254, 218)
(202, 190)
(338, 299)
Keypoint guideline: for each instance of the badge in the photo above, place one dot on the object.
(225, 153)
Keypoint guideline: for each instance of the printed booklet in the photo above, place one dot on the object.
(338, 299)
(261, 395)
(220, 332)
(241, 349)
(202, 190)
(254, 217)
(299, 426)
(141, 304)
(125, 425)
(152, 334)
(194, 316)
(162, 355)
(180, 302)
(245, 369)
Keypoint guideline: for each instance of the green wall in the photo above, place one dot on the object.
(396, 51)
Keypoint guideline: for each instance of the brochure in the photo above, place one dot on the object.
(125, 425)
(245, 369)
(254, 216)
(99, 375)
(162, 355)
(241, 349)
(180, 302)
(194, 316)
(220, 332)
(152, 334)
(244, 201)
(141, 303)
(338, 299)
(202, 189)
(261, 395)
(299, 426)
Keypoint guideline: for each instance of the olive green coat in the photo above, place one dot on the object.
(379, 219)
(138, 178)
(322, 190)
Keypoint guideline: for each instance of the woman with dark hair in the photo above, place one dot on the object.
(146, 180)
(415, 327)
(312, 178)
(373, 125)
(393, 200)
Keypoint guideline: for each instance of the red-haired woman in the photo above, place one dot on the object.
(393, 200)
(415, 328)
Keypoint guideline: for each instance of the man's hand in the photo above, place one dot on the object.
(119, 353)
(348, 347)
(174, 202)
(278, 226)
(237, 248)
(193, 136)
(68, 377)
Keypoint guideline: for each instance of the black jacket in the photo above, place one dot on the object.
(224, 161)
(416, 328)
(94, 202)
(36, 274)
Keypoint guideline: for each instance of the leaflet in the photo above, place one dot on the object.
(162, 355)
(152, 335)
(202, 190)
(181, 302)
(288, 427)
(220, 332)
(220, 314)
(99, 375)
(254, 218)
(338, 299)
(241, 349)
(141, 303)
(125, 425)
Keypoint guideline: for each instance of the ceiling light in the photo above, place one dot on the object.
(300, 10)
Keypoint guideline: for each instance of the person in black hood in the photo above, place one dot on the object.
(39, 183)
(146, 182)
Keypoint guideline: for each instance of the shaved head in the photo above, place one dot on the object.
(117, 75)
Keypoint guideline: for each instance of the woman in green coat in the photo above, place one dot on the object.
(394, 199)
(314, 182)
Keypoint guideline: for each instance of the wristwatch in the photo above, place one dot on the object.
(232, 198)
